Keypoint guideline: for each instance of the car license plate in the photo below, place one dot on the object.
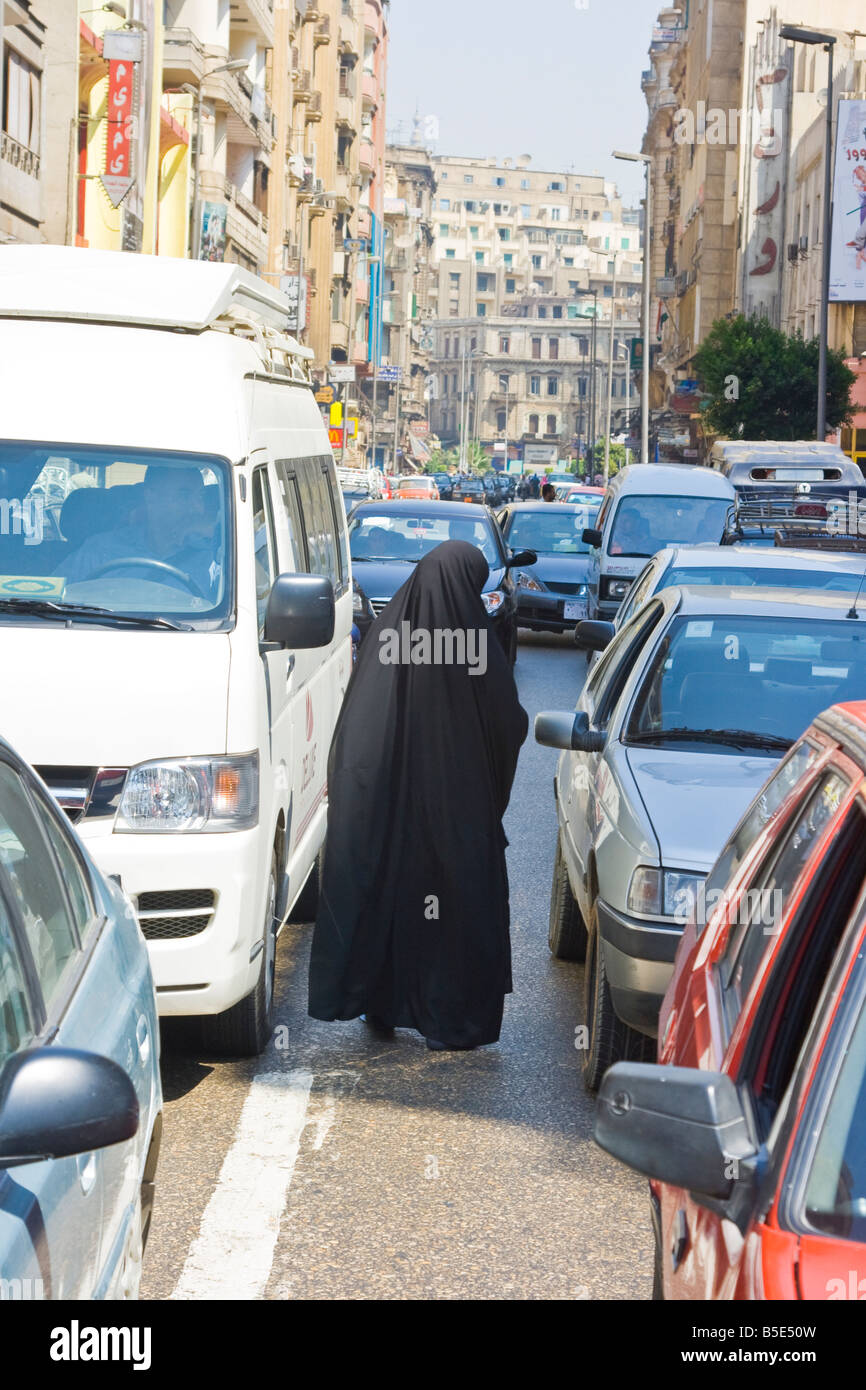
(574, 608)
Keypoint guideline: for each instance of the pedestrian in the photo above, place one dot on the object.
(413, 923)
(548, 493)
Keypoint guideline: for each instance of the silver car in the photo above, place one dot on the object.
(680, 724)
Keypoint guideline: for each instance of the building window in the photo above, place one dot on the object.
(510, 286)
(551, 425)
(504, 233)
(473, 344)
(500, 421)
(553, 349)
(499, 182)
(556, 214)
(524, 183)
(625, 243)
(536, 348)
(535, 386)
(445, 385)
(504, 344)
(557, 311)
(542, 312)
(480, 310)
(536, 262)
(569, 260)
(447, 347)
(484, 283)
(581, 387)
(454, 384)
(23, 101)
(509, 258)
(444, 229)
(555, 187)
(479, 257)
(553, 386)
(525, 210)
(444, 204)
(470, 207)
(454, 277)
(450, 254)
(533, 424)
(608, 291)
(473, 232)
(468, 178)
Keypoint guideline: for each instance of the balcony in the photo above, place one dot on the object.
(246, 206)
(323, 31)
(367, 157)
(349, 37)
(314, 107)
(373, 19)
(365, 222)
(343, 188)
(303, 86)
(362, 291)
(19, 178)
(256, 15)
(183, 58)
(347, 117)
(339, 334)
(359, 354)
(369, 91)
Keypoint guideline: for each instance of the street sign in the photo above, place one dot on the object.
(325, 396)
(336, 415)
(355, 244)
(118, 176)
(389, 373)
(123, 44)
(340, 372)
(336, 438)
(296, 288)
(636, 353)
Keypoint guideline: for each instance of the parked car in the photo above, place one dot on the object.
(196, 614)
(420, 487)
(647, 507)
(751, 1129)
(387, 541)
(696, 699)
(552, 595)
(809, 466)
(743, 566)
(80, 1095)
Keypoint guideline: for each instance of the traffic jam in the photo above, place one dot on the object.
(190, 606)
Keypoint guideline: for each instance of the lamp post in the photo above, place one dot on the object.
(646, 161)
(811, 36)
(610, 376)
(234, 65)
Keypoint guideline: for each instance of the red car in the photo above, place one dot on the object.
(752, 1126)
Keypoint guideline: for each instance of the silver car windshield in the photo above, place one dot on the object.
(747, 681)
(130, 532)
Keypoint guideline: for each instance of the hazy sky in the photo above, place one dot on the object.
(557, 79)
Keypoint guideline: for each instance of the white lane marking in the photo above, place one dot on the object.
(232, 1254)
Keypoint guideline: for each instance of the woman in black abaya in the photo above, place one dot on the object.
(413, 925)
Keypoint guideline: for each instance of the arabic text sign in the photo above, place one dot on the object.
(118, 155)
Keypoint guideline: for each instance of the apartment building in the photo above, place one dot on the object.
(532, 269)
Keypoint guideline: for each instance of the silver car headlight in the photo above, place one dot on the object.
(618, 588)
(493, 601)
(663, 892)
(191, 794)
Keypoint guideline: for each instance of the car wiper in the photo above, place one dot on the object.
(734, 738)
(48, 608)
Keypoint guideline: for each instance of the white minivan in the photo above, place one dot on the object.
(647, 507)
(175, 601)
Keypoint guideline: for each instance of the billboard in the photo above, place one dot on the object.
(848, 236)
(213, 231)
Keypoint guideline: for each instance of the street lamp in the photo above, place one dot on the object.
(610, 376)
(234, 65)
(646, 161)
(812, 36)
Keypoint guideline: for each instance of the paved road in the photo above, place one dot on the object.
(342, 1165)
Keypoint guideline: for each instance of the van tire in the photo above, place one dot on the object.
(246, 1028)
(610, 1040)
(307, 905)
(566, 935)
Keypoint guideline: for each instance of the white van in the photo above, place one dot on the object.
(175, 601)
(647, 507)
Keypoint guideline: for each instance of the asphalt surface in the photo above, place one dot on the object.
(401, 1173)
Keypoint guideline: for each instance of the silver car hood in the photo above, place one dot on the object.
(694, 799)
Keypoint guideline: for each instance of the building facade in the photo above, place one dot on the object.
(532, 270)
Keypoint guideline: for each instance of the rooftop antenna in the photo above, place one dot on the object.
(852, 611)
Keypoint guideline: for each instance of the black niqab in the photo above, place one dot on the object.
(413, 922)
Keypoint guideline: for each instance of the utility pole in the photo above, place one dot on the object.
(396, 427)
(592, 386)
(610, 378)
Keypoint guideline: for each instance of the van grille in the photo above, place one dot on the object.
(173, 915)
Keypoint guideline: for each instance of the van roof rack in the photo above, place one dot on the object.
(791, 518)
(85, 286)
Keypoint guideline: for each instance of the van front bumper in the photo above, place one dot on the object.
(639, 961)
(209, 969)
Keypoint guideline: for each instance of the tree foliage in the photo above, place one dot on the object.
(761, 383)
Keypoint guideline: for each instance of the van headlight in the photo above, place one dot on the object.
(359, 605)
(664, 893)
(618, 588)
(191, 794)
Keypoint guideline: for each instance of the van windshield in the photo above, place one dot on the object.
(133, 532)
(644, 525)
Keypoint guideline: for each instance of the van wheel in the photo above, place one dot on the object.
(566, 935)
(610, 1040)
(245, 1029)
(307, 906)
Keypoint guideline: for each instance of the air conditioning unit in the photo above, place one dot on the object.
(319, 187)
(793, 251)
(804, 247)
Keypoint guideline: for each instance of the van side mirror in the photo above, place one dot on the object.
(593, 635)
(58, 1101)
(679, 1125)
(300, 612)
(590, 536)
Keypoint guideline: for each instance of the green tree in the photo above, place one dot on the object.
(616, 461)
(761, 383)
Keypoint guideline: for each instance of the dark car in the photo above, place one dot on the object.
(471, 490)
(553, 596)
(496, 487)
(445, 484)
(388, 538)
